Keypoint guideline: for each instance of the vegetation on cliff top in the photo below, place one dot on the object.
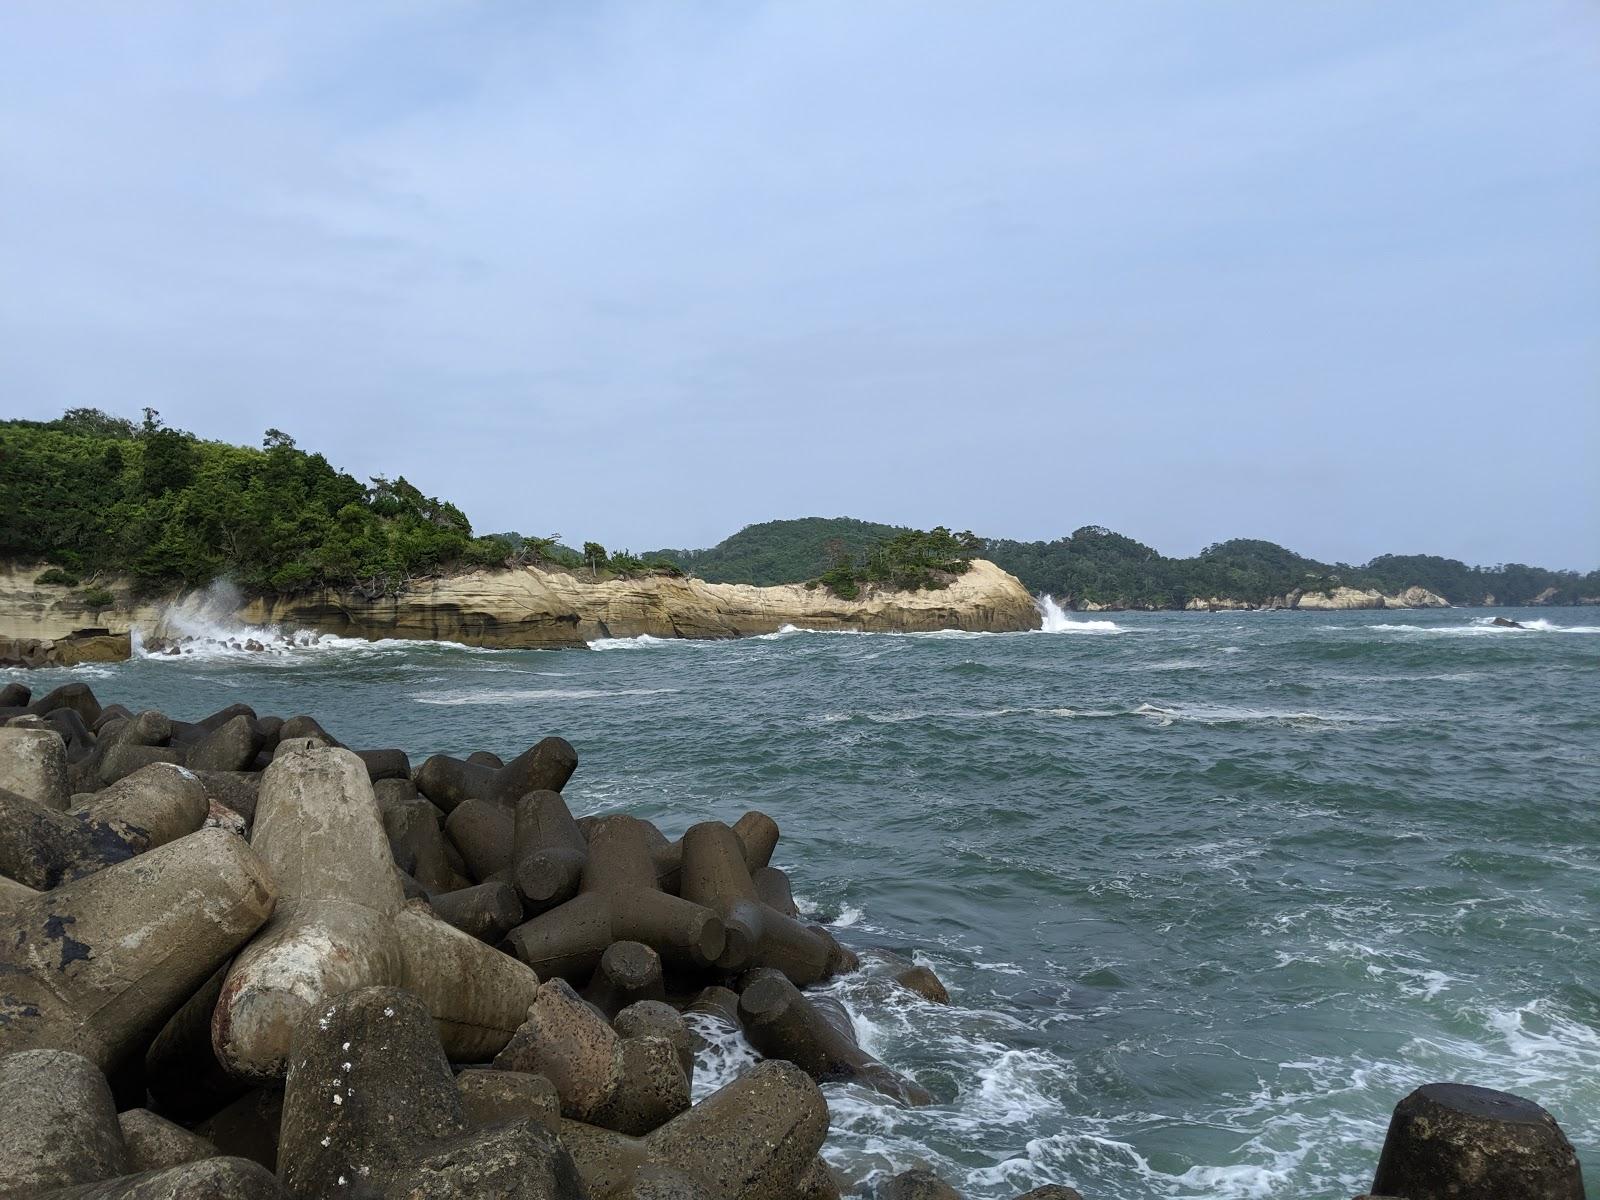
(91, 493)
(1095, 566)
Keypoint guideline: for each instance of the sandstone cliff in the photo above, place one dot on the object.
(529, 607)
(1337, 599)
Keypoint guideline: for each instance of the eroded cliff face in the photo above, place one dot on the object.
(528, 607)
(1337, 599)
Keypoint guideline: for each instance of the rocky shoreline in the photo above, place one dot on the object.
(530, 607)
(239, 959)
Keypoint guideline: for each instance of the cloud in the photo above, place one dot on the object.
(646, 273)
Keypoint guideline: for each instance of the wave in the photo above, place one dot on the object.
(480, 697)
(1057, 620)
(1478, 627)
(1220, 714)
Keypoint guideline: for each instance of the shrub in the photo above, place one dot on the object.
(56, 577)
(98, 598)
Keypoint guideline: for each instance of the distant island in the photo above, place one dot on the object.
(1097, 569)
(99, 500)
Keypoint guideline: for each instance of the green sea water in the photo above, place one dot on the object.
(1210, 892)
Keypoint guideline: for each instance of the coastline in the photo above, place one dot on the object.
(531, 608)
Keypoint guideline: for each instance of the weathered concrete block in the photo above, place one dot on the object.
(33, 765)
(629, 1084)
(342, 925)
(716, 875)
(95, 965)
(155, 1143)
(450, 782)
(755, 1139)
(370, 1108)
(232, 746)
(619, 901)
(781, 1023)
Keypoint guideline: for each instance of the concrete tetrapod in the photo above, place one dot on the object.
(60, 1139)
(619, 901)
(41, 847)
(1452, 1141)
(754, 1139)
(33, 764)
(341, 924)
(549, 851)
(628, 972)
(155, 805)
(715, 875)
(631, 1085)
(449, 782)
(781, 1023)
(371, 1109)
(94, 966)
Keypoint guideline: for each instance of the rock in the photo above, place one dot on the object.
(489, 1097)
(487, 911)
(619, 901)
(483, 831)
(549, 852)
(155, 805)
(919, 1183)
(631, 1085)
(33, 765)
(628, 972)
(77, 696)
(773, 890)
(95, 966)
(385, 764)
(757, 1138)
(758, 835)
(154, 1143)
(781, 1023)
(58, 1123)
(370, 1108)
(1452, 1141)
(652, 1018)
(235, 790)
(232, 746)
(546, 767)
(417, 840)
(343, 925)
(924, 983)
(1507, 623)
(715, 875)
(530, 606)
(1052, 1191)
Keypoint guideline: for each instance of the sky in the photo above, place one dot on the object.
(1323, 273)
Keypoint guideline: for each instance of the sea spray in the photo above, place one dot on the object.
(1056, 619)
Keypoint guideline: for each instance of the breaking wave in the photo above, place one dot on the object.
(1056, 619)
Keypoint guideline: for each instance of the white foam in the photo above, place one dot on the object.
(1057, 620)
(481, 697)
(1221, 714)
(643, 642)
(1478, 627)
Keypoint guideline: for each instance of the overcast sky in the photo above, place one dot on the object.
(1325, 273)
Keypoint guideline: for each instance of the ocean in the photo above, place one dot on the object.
(1210, 892)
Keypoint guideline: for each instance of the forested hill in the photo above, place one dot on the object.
(794, 551)
(1099, 567)
(91, 493)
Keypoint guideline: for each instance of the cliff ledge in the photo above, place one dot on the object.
(533, 607)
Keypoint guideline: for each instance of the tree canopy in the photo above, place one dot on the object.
(94, 492)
